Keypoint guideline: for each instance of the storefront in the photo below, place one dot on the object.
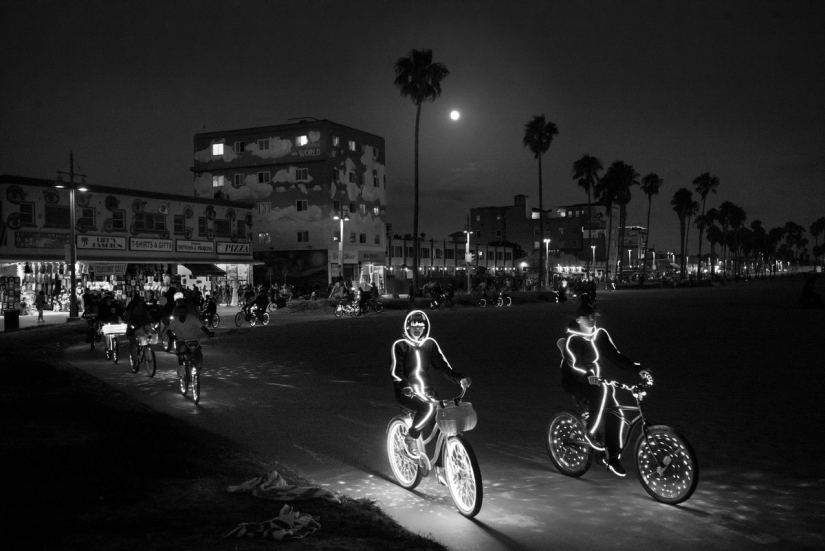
(126, 241)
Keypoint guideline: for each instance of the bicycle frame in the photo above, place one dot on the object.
(618, 411)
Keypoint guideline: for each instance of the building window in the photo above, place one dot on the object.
(217, 149)
(240, 228)
(352, 237)
(498, 233)
(148, 221)
(363, 209)
(508, 255)
(264, 238)
(535, 245)
(334, 174)
(478, 218)
(561, 231)
(237, 180)
(302, 174)
(221, 228)
(203, 226)
(438, 254)
(535, 231)
(425, 253)
(376, 152)
(87, 218)
(238, 147)
(351, 144)
(377, 238)
(481, 254)
(498, 217)
(362, 238)
(58, 217)
(336, 141)
(352, 207)
(408, 252)
(353, 178)
(478, 234)
(264, 207)
(375, 181)
(119, 220)
(336, 235)
(179, 224)
(263, 144)
(397, 250)
(303, 237)
(499, 255)
(301, 205)
(375, 211)
(218, 181)
(449, 254)
(264, 177)
(301, 141)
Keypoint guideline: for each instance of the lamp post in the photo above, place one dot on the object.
(468, 233)
(593, 248)
(342, 215)
(546, 262)
(72, 247)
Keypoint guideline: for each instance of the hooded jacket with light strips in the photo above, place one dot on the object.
(413, 361)
(584, 353)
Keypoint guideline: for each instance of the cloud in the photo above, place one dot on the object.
(277, 148)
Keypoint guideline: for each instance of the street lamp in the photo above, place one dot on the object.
(593, 248)
(546, 262)
(343, 216)
(72, 247)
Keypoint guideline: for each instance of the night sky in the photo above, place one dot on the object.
(736, 89)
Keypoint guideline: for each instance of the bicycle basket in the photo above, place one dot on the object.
(147, 339)
(454, 419)
(114, 329)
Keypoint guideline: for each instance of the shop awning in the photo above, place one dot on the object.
(199, 270)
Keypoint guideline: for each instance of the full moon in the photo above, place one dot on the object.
(454, 115)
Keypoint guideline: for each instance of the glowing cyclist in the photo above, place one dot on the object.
(583, 376)
(414, 359)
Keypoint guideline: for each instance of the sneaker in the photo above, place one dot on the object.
(615, 467)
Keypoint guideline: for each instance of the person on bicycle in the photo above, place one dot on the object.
(414, 360)
(585, 351)
(210, 309)
(137, 317)
(185, 328)
(109, 311)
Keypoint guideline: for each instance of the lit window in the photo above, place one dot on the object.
(217, 149)
(301, 174)
(264, 237)
(478, 218)
(301, 140)
(301, 205)
(237, 180)
(263, 144)
(498, 217)
(303, 237)
(264, 207)
(264, 177)
(351, 144)
(336, 141)
(218, 181)
(375, 211)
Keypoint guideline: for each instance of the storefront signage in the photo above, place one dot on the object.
(183, 246)
(350, 257)
(143, 244)
(372, 256)
(233, 248)
(41, 240)
(101, 242)
(108, 269)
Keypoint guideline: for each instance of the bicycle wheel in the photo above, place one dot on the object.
(508, 301)
(272, 307)
(378, 307)
(339, 311)
(253, 320)
(183, 376)
(483, 303)
(568, 449)
(463, 476)
(135, 357)
(115, 351)
(499, 302)
(196, 383)
(404, 467)
(433, 305)
(265, 318)
(149, 361)
(216, 320)
(239, 319)
(668, 469)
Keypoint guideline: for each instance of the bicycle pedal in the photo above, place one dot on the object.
(424, 465)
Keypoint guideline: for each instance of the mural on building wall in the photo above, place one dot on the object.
(37, 217)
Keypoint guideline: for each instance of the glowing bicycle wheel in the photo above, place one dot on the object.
(668, 469)
(463, 476)
(568, 449)
(404, 467)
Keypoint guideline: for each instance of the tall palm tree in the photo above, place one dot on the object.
(538, 135)
(775, 236)
(816, 229)
(758, 236)
(605, 192)
(710, 219)
(625, 177)
(736, 218)
(725, 211)
(684, 206)
(419, 78)
(586, 173)
(704, 184)
(650, 186)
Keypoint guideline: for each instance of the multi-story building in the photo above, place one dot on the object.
(304, 179)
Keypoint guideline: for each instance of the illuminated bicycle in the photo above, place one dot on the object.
(460, 472)
(665, 462)
(253, 315)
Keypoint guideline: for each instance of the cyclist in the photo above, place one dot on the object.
(138, 317)
(109, 311)
(210, 309)
(585, 350)
(186, 328)
(413, 361)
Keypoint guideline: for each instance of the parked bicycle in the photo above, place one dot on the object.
(347, 307)
(252, 315)
(441, 302)
(372, 305)
(666, 464)
(460, 472)
(141, 353)
(503, 300)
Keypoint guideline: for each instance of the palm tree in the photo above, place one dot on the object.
(605, 193)
(816, 229)
(704, 184)
(710, 219)
(650, 186)
(538, 135)
(586, 172)
(758, 237)
(684, 206)
(419, 78)
(622, 177)
(725, 210)
(736, 218)
(775, 236)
